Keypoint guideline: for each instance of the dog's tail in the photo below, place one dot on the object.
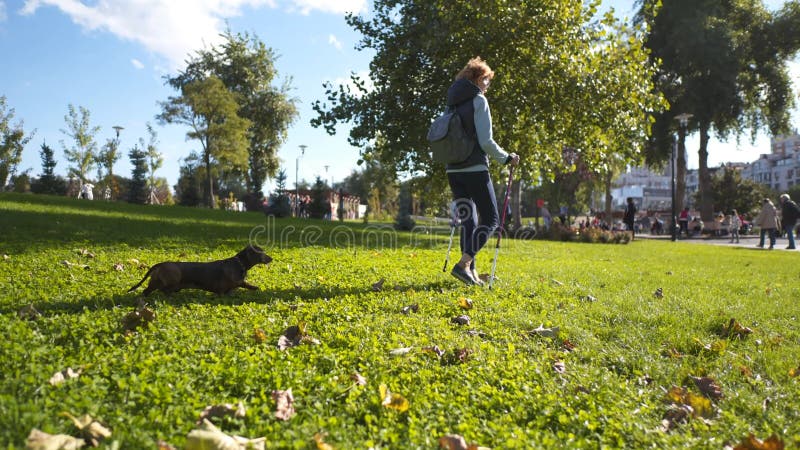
(149, 271)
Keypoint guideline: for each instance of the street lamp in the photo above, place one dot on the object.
(683, 120)
(297, 181)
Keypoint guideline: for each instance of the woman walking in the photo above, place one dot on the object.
(469, 180)
(767, 220)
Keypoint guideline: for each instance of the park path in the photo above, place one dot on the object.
(747, 241)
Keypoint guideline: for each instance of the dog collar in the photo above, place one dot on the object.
(244, 269)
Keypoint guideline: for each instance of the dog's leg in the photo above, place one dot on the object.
(247, 285)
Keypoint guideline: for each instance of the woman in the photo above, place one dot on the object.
(469, 180)
(629, 218)
(767, 219)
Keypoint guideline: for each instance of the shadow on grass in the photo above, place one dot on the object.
(238, 297)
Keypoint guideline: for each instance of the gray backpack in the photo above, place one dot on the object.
(450, 143)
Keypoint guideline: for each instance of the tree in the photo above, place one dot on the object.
(48, 182)
(561, 81)
(210, 110)
(108, 156)
(189, 187)
(154, 162)
(729, 191)
(247, 68)
(137, 189)
(280, 205)
(82, 154)
(724, 62)
(12, 142)
(320, 205)
(403, 221)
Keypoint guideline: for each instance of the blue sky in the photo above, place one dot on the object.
(110, 56)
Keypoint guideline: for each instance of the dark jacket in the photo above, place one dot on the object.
(789, 213)
(630, 213)
(460, 96)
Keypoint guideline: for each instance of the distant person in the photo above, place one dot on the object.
(789, 215)
(629, 218)
(767, 220)
(546, 217)
(683, 222)
(734, 225)
(470, 183)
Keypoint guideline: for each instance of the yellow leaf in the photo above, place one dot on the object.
(260, 336)
(700, 404)
(391, 400)
(465, 303)
(794, 372)
(319, 438)
(39, 440)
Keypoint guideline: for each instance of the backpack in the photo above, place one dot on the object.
(450, 143)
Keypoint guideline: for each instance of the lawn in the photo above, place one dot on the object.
(651, 344)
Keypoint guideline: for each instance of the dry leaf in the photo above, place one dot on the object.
(259, 335)
(400, 351)
(284, 400)
(6, 257)
(736, 330)
(753, 443)
(590, 298)
(227, 409)
(139, 318)
(119, 267)
(91, 430)
(358, 379)
(556, 282)
(410, 308)
(708, 387)
(319, 439)
(659, 293)
(39, 440)
(567, 346)
(485, 277)
(460, 320)
(208, 437)
(164, 445)
(465, 303)
(435, 350)
(559, 367)
(463, 354)
(86, 253)
(675, 416)
(456, 442)
(294, 336)
(66, 374)
(377, 287)
(29, 313)
(545, 332)
(79, 266)
(392, 400)
(794, 372)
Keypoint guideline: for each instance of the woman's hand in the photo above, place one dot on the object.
(514, 159)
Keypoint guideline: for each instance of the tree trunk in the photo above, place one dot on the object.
(680, 171)
(706, 213)
(212, 201)
(515, 204)
(608, 217)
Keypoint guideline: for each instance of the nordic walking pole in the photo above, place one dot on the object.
(502, 225)
(450, 245)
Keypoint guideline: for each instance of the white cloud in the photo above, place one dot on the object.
(334, 42)
(136, 63)
(3, 15)
(174, 29)
(363, 75)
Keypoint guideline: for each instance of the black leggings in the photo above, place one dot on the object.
(474, 191)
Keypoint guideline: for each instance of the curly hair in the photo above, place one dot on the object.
(475, 70)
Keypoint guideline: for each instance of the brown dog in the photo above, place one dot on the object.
(220, 276)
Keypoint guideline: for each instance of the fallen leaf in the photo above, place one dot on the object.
(138, 318)
(457, 442)
(79, 266)
(119, 267)
(736, 330)
(545, 332)
(227, 409)
(794, 372)
(29, 313)
(460, 320)
(556, 282)
(39, 440)
(400, 351)
(164, 445)
(358, 379)
(86, 253)
(753, 443)
(485, 277)
(746, 371)
(208, 437)
(477, 333)
(91, 430)
(435, 350)
(567, 345)
(319, 439)
(66, 374)
(708, 387)
(294, 336)
(463, 354)
(676, 415)
(392, 400)
(284, 400)
(410, 308)
(377, 287)
(259, 335)
(590, 298)
(659, 293)
(559, 367)
(465, 303)
(701, 406)
(6, 257)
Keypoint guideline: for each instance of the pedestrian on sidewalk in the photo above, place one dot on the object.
(789, 215)
(734, 226)
(767, 221)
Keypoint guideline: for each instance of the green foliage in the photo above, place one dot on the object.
(403, 220)
(137, 189)
(211, 112)
(12, 142)
(628, 323)
(82, 152)
(247, 68)
(279, 204)
(320, 206)
(729, 191)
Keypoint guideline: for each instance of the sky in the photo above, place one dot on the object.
(111, 56)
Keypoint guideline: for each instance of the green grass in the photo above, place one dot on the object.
(630, 347)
